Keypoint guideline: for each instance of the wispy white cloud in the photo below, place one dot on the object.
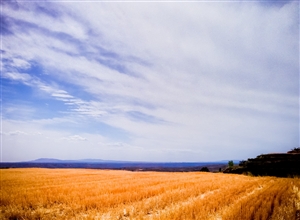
(74, 138)
(23, 77)
(15, 133)
(58, 22)
(20, 63)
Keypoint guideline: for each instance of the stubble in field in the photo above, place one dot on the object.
(101, 194)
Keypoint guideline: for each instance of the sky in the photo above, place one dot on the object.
(161, 81)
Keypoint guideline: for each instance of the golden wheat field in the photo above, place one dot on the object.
(35, 193)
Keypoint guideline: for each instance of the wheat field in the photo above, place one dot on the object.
(36, 193)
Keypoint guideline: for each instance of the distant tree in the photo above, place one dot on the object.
(204, 169)
(295, 150)
(242, 163)
(230, 163)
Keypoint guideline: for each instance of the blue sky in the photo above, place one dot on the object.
(149, 81)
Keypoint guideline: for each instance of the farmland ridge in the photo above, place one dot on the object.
(273, 164)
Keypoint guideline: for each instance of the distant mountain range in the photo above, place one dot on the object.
(119, 165)
(53, 160)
